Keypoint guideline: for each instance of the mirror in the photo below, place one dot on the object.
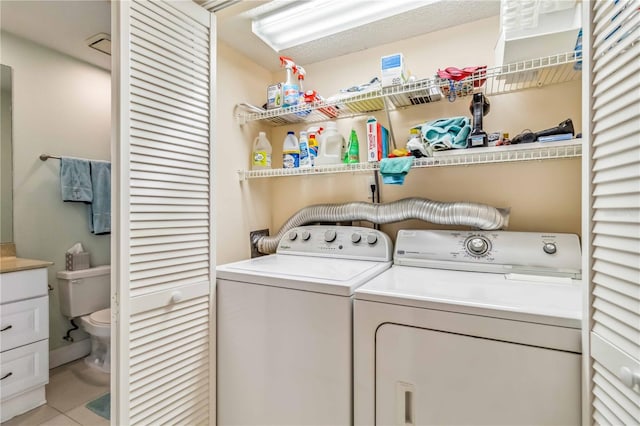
(6, 158)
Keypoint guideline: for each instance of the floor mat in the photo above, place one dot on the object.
(101, 406)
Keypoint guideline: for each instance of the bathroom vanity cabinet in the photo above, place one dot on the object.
(24, 344)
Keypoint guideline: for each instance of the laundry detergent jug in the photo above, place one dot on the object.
(332, 146)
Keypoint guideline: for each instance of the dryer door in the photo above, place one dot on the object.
(432, 377)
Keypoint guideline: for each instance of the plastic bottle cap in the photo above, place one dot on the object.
(290, 133)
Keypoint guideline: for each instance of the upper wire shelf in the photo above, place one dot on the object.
(453, 157)
(498, 80)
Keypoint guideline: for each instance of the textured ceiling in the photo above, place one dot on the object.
(64, 25)
(234, 28)
(60, 25)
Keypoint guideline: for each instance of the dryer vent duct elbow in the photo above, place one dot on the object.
(475, 215)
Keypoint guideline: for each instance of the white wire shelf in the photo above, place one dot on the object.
(454, 157)
(533, 73)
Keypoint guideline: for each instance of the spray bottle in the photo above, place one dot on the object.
(301, 74)
(290, 90)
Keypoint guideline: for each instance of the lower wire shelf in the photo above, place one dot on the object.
(454, 157)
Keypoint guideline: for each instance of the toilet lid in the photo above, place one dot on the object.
(101, 317)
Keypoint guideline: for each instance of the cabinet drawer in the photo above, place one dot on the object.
(24, 368)
(23, 285)
(24, 322)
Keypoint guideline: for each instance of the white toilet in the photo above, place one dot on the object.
(86, 294)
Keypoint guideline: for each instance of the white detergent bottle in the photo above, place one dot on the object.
(261, 154)
(332, 146)
(305, 158)
(290, 152)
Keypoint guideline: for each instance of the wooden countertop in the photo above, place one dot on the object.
(14, 264)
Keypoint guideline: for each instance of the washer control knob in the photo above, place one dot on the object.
(477, 246)
(330, 235)
(372, 239)
(550, 248)
(356, 238)
(292, 235)
(306, 235)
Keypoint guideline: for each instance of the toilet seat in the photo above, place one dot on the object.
(98, 323)
(102, 317)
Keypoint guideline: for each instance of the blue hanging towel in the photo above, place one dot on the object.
(75, 180)
(100, 208)
(393, 170)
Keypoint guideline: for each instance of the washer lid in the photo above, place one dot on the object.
(318, 274)
(101, 317)
(544, 300)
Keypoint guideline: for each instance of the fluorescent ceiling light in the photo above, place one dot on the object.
(302, 21)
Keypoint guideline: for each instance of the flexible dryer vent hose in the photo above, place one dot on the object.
(476, 215)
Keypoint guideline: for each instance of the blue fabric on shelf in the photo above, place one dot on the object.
(100, 208)
(75, 180)
(393, 170)
(447, 133)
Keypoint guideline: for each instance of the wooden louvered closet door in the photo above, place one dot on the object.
(612, 180)
(163, 257)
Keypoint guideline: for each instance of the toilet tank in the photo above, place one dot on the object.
(85, 291)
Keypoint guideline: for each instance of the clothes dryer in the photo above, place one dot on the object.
(471, 328)
(284, 327)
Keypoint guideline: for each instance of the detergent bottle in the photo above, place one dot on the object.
(305, 160)
(290, 90)
(314, 134)
(290, 152)
(261, 154)
(331, 146)
(352, 153)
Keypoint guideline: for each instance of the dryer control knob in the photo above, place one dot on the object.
(477, 246)
(356, 237)
(372, 239)
(306, 235)
(292, 235)
(550, 248)
(330, 235)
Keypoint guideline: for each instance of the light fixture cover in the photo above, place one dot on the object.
(299, 22)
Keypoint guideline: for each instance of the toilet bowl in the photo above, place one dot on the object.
(98, 326)
(85, 295)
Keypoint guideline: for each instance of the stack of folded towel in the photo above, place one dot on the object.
(447, 133)
(89, 182)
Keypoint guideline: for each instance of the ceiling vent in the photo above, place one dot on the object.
(100, 42)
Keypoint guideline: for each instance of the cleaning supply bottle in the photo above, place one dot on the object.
(261, 154)
(314, 134)
(331, 146)
(290, 89)
(301, 73)
(352, 153)
(305, 159)
(290, 152)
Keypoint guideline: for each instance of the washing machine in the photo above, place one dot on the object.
(284, 327)
(471, 328)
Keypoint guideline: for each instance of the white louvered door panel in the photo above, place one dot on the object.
(615, 212)
(163, 256)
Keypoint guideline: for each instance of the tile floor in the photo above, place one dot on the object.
(70, 387)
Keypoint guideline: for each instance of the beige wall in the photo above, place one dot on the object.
(240, 206)
(61, 106)
(543, 196)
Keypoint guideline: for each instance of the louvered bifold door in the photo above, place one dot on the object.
(615, 212)
(163, 249)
